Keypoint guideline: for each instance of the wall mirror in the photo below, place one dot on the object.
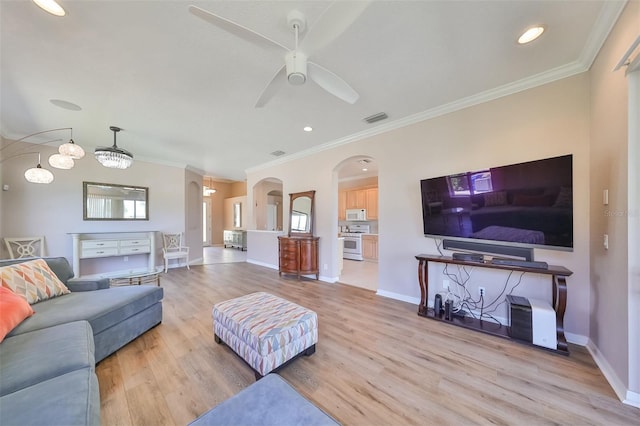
(109, 201)
(301, 212)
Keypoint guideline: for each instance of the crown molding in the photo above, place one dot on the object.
(609, 14)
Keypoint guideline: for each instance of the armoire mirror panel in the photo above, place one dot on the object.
(301, 210)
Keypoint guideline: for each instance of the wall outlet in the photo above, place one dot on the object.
(445, 284)
(482, 292)
(126, 258)
(325, 266)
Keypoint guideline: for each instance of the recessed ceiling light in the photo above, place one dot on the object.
(531, 34)
(364, 169)
(50, 6)
(65, 104)
(307, 128)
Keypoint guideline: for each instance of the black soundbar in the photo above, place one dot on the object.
(494, 249)
(520, 263)
(469, 257)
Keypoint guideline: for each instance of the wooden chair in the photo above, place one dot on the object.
(20, 248)
(173, 249)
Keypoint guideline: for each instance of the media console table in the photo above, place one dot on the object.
(559, 290)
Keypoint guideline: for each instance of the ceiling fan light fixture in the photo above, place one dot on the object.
(112, 156)
(296, 68)
(531, 34)
(50, 6)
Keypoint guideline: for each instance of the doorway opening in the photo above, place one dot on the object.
(358, 228)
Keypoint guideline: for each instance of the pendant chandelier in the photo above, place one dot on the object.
(112, 156)
(208, 189)
(38, 174)
(68, 152)
(70, 149)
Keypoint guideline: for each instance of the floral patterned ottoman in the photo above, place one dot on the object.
(265, 330)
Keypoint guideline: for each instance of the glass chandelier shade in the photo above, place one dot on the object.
(60, 161)
(112, 156)
(38, 174)
(72, 150)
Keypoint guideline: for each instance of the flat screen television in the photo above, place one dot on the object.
(526, 204)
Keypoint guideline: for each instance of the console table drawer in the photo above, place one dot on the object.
(99, 244)
(134, 243)
(99, 252)
(134, 250)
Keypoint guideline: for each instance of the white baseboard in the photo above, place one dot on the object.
(577, 339)
(633, 399)
(397, 296)
(625, 395)
(266, 265)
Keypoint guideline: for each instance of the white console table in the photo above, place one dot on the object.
(93, 245)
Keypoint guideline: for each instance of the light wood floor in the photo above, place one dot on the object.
(377, 363)
(360, 273)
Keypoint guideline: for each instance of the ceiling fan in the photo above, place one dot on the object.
(297, 68)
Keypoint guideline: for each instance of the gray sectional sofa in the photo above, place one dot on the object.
(47, 363)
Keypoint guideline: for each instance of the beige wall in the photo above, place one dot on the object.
(609, 283)
(238, 189)
(543, 122)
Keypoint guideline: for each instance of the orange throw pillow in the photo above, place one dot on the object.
(13, 310)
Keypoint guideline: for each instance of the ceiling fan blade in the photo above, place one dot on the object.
(274, 85)
(332, 83)
(237, 29)
(333, 21)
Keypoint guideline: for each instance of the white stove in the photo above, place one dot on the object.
(353, 241)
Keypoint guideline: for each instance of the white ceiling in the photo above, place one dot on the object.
(183, 90)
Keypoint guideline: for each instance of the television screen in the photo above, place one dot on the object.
(527, 204)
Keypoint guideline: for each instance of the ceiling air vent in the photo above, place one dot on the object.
(376, 117)
(277, 153)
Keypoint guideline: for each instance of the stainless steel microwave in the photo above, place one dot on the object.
(356, 214)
